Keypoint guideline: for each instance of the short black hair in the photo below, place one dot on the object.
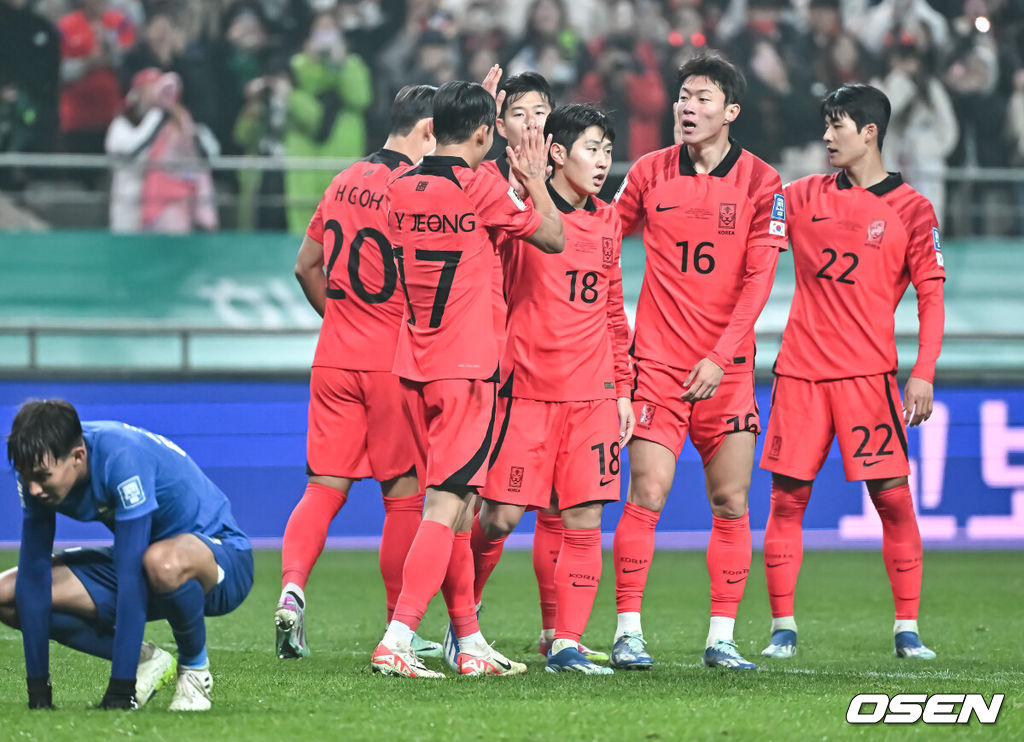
(413, 103)
(718, 70)
(864, 104)
(42, 427)
(566, 123)
(526, 82)
(460, 108)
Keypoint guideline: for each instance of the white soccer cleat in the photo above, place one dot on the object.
(156, 667)
(782, 645)
(476, 660)
(399, 660)
(193, 690)
(909, 646)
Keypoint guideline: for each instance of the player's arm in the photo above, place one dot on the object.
(131, 539)
(33, 596)
(629, 200)
(919, 393)
(309, 271)
(618, 329)
(529, 163)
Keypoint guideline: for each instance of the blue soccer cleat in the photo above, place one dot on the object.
(782, 645)
(909, 646)
(629, 653)
(451, 649)
(426, 648)
(572, 659)
(723, 653)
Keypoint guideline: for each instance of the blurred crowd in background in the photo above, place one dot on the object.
(181, 80)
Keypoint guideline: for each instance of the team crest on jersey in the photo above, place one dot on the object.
(646, 415)
(726, 218)
(515, 479)
(776, 447)
(779, 207)
(131, 493)
(607, 252)
(421, 186)
(876, 231)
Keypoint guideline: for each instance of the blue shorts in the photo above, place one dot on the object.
(94, 567)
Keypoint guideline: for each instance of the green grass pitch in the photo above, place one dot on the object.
(972, 615)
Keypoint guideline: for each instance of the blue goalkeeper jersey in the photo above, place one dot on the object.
(132, 473)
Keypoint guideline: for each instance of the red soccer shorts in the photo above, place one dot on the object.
(863, 412)
(663, 417)
(569, 447)
(451, 421)
(356, 425)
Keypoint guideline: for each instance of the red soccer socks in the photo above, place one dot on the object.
(577, 574)
(632, 551)
(425, 568)
(486, 553)
(783, 545)
(901, 548)
(547, 543)
(401, 520)
(457, 587)
(728, 561)
(306, 532)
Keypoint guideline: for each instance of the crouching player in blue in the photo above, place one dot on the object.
(178, 555)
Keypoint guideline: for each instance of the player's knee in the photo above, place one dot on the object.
(497, 525)
(164, 568)
(728, 503)
(648, 492)
(8, 606)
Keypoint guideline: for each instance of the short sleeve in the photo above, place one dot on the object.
(315, 230)
(768, 226)
(924, 249)
(129, 484)
(499, 207)
(629, 200)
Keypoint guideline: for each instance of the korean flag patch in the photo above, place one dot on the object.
(131, 493)
(779, 208)
(515, 199)
(777, 228)
(938, 246)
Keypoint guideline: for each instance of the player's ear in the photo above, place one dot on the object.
(428, 128)
(870, 132)
(78, 454)
(732, 112)
(500, 126)
(559, 154)
(481, 134)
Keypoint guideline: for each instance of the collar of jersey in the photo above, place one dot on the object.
(503, 167)
(721, 169)
(890, 183)
(444, 161)
(391, 157)
(564, 206)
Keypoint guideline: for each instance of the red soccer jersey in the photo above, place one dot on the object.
(439, 216)
(698, 232)
(364, 302)
(499, 168)
(568, 337)
(855, 250)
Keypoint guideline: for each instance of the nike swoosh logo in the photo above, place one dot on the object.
(503, 664)
(607, 481)
(627, 571)
(659, 207)
(905, 569)
(733, 582)
(871, 463)
(581, 584)
(769, 566)
(819, 218)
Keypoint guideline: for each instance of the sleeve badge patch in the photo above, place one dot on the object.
(131, 493)
(515, 199)
(779, 207)
(777, 228)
